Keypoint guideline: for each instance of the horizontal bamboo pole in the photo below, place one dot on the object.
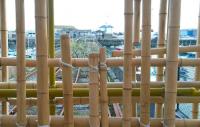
(155, 51)
(110, 62)
(84, 92)
(111, 100)
(156, 84)
(57, 121)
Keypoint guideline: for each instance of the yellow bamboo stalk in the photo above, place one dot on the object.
(4, 48)
(172, 62)
(161, 44)
(42, 62)
(195, 106)
(103, 89)
(127, 101)
(67, 81)
(21, 81)
(50, 17)
(145, 63)
(155, 51)
(94, 90)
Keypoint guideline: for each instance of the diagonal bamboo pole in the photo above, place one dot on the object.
(4, 47)
(161, 44)
(67, 82)
(145, 64)
(94, 90)
(42, 62)
(127, 101)
(103, 89)
(172, 62)
(195, 106)
(21, 81)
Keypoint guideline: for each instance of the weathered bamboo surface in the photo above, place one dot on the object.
(127, 74)
(42, 62)
(67, 81)
(172, 62)
(21, 80)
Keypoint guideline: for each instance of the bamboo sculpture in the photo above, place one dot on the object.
(145, 64)
(161, 44)
(103, 89)
(42, 62)
(172, 62)
(94, 90)
(127, 101)
(21, 81)
(4, 47)
(195, 106)
(67, 81)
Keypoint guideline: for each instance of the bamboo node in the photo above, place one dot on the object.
(21, 125)
(63, 64)
(103, 66)
(93, 68)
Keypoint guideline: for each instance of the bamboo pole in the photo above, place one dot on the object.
(161, 37)
(103, 89)
(110, 62)
(136, 40)
(67, 81)
(172, 62)
(145, 64)
(195, 106)
(59, 84)
(4, 48)
(156, 51)
(94, 90)
(42, 62)
(50, 9)
(51, 40)
(161, 44)
(57, 121)
(21, 81)
(127, 101)
(112, 92)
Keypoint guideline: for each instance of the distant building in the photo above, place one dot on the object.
(188, 32)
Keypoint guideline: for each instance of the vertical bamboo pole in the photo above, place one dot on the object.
(67, 82)
(172, 62)
(136, 28)
(161, 44)
(51, 40)
(127, 87)
(136, 39)
(195, 106)
(103, 89)
(94, 90)
(50, 8)
(42, 63)
(4, 48)
(145, 64)
(21, 81)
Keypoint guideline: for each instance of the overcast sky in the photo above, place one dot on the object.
(90, 14)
